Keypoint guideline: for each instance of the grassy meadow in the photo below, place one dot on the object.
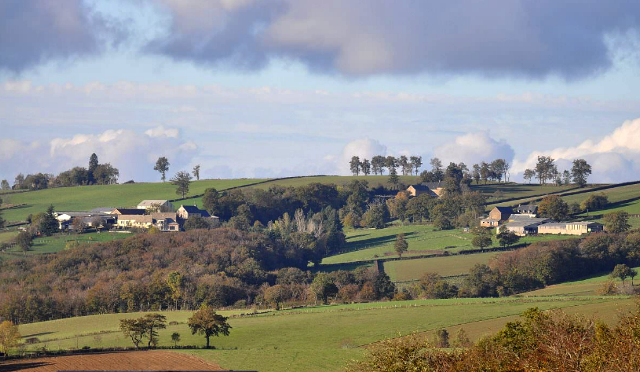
(56, 243)
(407, 270)
(582, 287)
(82, 198)
(322, 338)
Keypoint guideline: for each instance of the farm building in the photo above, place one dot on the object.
(65, 219)
(497, 216)
(419, 189)
(570, 228)
(187, 211)
(167, 221)
(158, 205)
(528, 209)
(135, 220)
(524, 226)
(128, 211)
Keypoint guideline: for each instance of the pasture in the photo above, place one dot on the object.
(83, 198)
(321, 338)
(369, 244)
(56, 243)
(408, 270)
(582, 287)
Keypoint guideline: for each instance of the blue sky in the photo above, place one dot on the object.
(263, 88)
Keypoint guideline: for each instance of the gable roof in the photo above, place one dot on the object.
(137, 218)
(528, 208)
(504, 209)
(128, 211)
(151, 203)
(195, 209)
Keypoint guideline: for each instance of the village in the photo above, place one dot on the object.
(158, 214)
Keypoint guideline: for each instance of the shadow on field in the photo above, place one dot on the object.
(372, 242)
(37, 334)
(22, 366)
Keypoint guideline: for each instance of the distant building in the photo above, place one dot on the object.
(126, 221)
(188, 211)
(128, 211)
(167, 221)
(570, 228)
(528, 209)
(497, 216)
(157, 205)
(434, 190)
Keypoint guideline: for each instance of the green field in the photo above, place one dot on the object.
(58, 242)
(588, 286)
(84, 198)
(406, 270)
(339, 181)
(369, 244)
(501, 191)
(316, 339)
(6, 236)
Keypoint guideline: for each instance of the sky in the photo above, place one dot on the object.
(270, 88)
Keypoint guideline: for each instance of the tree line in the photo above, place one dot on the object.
(547, 171)
(95, 174)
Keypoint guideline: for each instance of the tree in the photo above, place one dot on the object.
(366, 167)
(4, 185)
(93, 164)
(416, 162)
(275, 295)
(376, 216)
(105, 174)
(400, 245)
(18, 182)
(182, 180)
(354, 165)
(134, 329)
(595, 202)
(499, 168)
(1, 219)
(507, 238)
(441, 338)
(24, 241)
(378, 164)
(580, 172)
(485, 172)
(545, 169)
(393, 177)
(475, 174)
(153, 322)
(552, 206)
(617, 222)
(436, 168)
(405, 166)
(211, 201)
(175, 337)
(196, 172)
(162, 166)
(197, 222)
(529, 174)
(621, 271)
(566, 177)
(9, 337)
(208, 323)
(632, 274)
(391, 163)
(323, 287)
(49, 224)
(481, 238)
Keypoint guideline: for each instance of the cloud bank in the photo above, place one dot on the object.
(531, 39)
(134, 154)
(614, 158)
(474, 148)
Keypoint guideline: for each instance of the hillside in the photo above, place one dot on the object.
(88, 197)
(318, 338)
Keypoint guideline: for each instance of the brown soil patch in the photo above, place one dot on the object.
(153, 360)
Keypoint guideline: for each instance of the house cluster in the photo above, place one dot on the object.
(147, 214)
(524, 220)
(434, 189)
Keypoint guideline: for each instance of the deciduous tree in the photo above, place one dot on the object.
(9, 337)
(354, 165)
(481, 237)
(162, 166)
(580, 172)
(552, 206)
(182, 180)
(400, 245)
(196, 172)
(416, 162)
(208, 323)
(617, 222)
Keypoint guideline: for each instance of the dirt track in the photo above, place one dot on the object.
(154, 360)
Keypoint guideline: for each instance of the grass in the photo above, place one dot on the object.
(56, 243)
(369, 244)
(315, 339)
(6, 236)
(515, 190)
(83, 198)
(582, 287)
(339, 181)
(406, 270)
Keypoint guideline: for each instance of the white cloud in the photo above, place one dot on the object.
(132, 153)
(365, 148)
(473, 148)
(614, 158)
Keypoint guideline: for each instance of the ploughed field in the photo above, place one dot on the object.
(152, 360)
(321, 338)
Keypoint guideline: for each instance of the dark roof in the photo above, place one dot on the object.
(421, 187)
(504, 209)
(195, 209)
(530, 208)
(130, 211)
